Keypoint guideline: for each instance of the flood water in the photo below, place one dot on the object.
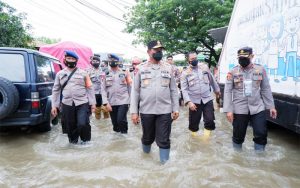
(29, 159)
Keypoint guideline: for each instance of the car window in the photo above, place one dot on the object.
(55, 66)
(12, 67)
(44, 69)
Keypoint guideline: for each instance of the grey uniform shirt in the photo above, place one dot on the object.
(96, 76)
(154, 90)
(116, 88)
(234, 98)
(196, 83)
(78, 90)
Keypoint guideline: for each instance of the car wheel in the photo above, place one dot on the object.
(9, 97)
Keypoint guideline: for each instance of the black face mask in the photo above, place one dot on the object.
(96, 65)
(244, 61)
(70, 64)
(113, 64)
(157, 55)
(194, 63)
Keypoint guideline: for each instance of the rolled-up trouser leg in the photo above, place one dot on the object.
(259, 125)
(163, 130)
(240, 124)
(105, 112)
(98, 113)
(83, 123)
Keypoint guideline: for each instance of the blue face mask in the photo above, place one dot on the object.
(194, 63)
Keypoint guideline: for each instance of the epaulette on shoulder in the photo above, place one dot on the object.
(258, 66)
(203, 66)
(166, 64)
(188, 71)
(235, 67)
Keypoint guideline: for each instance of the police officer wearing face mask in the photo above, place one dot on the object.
(154, 96)
(247, 95)
(96, 75)
(78, 96)
(196, 83)
(115, 89)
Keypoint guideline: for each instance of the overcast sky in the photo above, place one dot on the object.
(98, 27)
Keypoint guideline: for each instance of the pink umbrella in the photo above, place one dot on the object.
(57, 50)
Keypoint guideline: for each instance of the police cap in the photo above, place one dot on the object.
(114, 57)
(155, 44)
(95, 57)
(71, 54)
(244, 52)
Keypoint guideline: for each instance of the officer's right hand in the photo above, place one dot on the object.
(54, 111)
(192, 106)
(229, 116)
(135, 119)
(108, 108)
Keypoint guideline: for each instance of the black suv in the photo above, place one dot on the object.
(26, 81)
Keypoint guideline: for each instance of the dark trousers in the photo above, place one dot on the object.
(118, 118)
(208, 116)
(76, 120)
(158, 128)
(258, 123)
(98, 100)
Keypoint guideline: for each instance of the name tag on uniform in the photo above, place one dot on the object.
(165, 75)
(248, 88)
(122, 75)
(257, 76)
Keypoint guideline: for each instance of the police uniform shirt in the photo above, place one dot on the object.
(96, 76)
(234, 97)
(78, 90)
(154, 90)
(196, 83)
(116, 88)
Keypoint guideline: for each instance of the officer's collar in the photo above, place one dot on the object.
(249, 67)
(154, 65)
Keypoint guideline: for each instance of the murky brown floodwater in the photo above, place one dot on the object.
(112, 160)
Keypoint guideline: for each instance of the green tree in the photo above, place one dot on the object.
(13, 32)
(47, 40)
(181, 25)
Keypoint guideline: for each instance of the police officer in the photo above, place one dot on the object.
(116, 94)
(175, 69)
(176, 74)
(78, 97)
(154, 95)
(96, 75)
(247, 95)
(135, 62)
(196, 83)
